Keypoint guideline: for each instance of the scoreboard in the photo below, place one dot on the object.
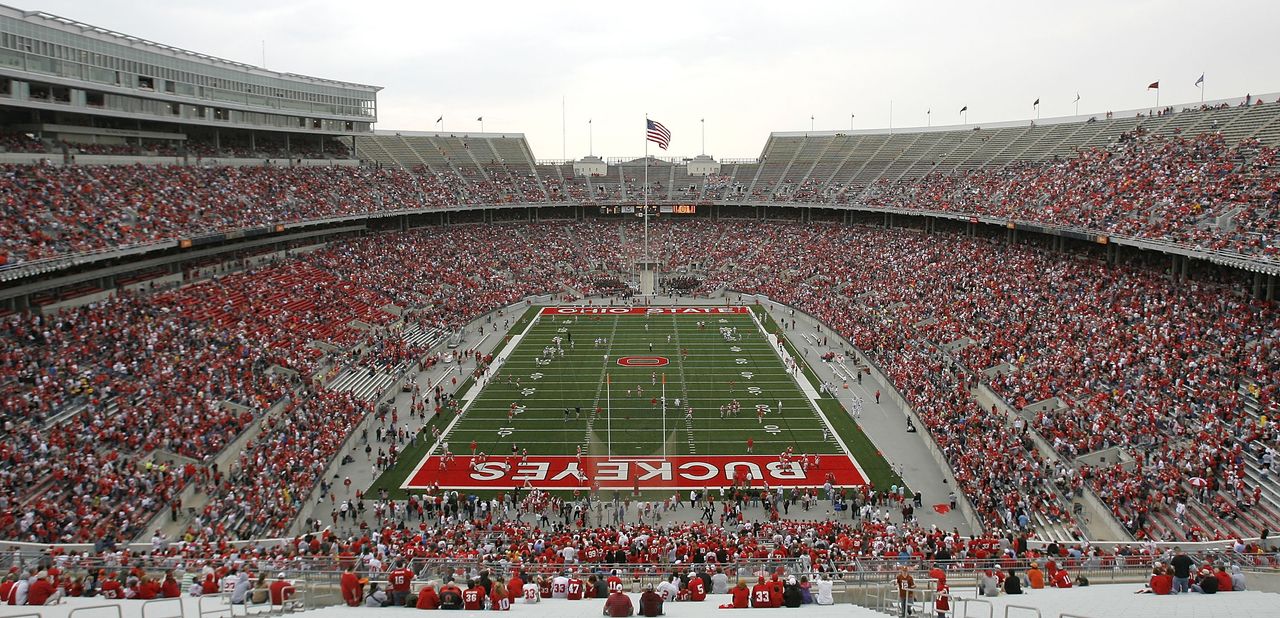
(654, 209)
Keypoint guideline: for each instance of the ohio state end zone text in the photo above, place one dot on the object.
(680, 472)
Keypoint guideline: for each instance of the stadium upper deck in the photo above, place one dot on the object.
(1200, 182)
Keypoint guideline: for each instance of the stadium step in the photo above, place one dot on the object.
(364, 383)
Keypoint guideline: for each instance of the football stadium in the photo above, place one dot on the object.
(277, 343)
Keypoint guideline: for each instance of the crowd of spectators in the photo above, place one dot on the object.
(1141, 365)
(98, 400)
(400, 560)
(1144, 185)
(1195, 191)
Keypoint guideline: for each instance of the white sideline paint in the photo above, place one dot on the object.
(809, 391)
(469, 398)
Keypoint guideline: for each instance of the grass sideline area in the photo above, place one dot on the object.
(707, 369)
(878, 470)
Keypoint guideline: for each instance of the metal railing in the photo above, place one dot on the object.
(115, 609)
(1024, 608)
(150, 604)
(962, 607)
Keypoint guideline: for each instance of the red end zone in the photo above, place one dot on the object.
(642, 310)
(688, 472)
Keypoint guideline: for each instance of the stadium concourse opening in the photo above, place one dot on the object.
(640, 398)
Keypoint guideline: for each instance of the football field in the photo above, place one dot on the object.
(642, 398)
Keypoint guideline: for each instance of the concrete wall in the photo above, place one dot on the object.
(174, 279)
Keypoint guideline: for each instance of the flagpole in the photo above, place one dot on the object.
(704, 135)
(591, 139)
(646, 192)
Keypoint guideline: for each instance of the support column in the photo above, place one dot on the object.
(1271, 287)
(1257, 285)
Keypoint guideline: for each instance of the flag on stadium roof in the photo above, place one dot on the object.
(439, 119)
(964, 109)
(1201, 80)
(657, 134)
(1037, 103)
(1155, 85)
(479, 118)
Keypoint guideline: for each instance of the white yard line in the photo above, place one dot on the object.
(467, 400)
(803, 382)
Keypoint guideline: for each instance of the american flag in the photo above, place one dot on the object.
(658, 134)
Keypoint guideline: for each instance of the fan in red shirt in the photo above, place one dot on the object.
(1060, 579)
(618, 605)
(1161, 582)
(775, 591)
(209, 585)
(281, 590)
(697, 589)
(614, 582)
(170, 588)
(41, 590)
(498, 600)
(515, 587)
(111, 589)
(352, 587)
(148, 589)
(1223, 577)
(741, 595)
(472, 597)
(574, 589)
(401, 579)
(761, 594)
(427, 598)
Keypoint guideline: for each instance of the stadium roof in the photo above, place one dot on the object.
(1270, 97)
(81, 28)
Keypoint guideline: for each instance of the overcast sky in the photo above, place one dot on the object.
(747, 67)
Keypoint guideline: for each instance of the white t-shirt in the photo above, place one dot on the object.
(530, 593)
(668, 591)
(824, 593)
(560, 587)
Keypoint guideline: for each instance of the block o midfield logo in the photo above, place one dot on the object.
(643, 361)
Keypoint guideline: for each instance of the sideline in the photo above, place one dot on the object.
(468, 399)
(806, 386)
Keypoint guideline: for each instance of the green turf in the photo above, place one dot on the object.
(709, 376)
(878, 470)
